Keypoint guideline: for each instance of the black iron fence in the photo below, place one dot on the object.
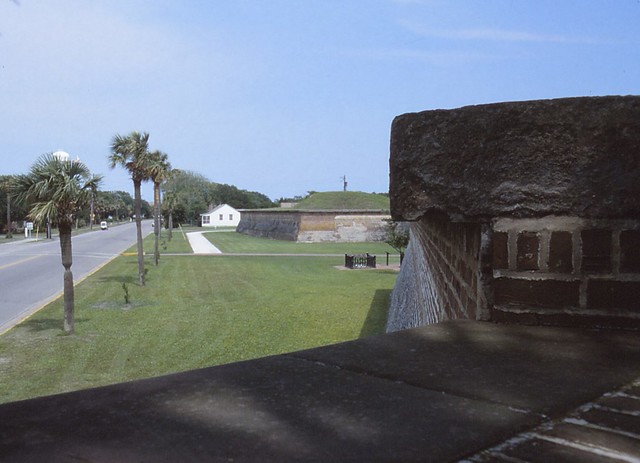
(359, 261)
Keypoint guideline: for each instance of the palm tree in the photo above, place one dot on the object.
(170, 205)
(58, 189)
(132, 153)
(159, 171)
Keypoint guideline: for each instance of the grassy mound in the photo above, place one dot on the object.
(344, 200)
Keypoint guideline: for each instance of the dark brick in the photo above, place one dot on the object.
(527, 258)
(551, 294)
(630, 251)
(561, 252)
(612, 420)
(500, 250)
(611, 294)
(537, 450)
(596, 251)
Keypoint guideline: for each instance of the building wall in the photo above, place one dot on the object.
(230, 217)
(562, 269)
(550, 270)
(314, 226)
(444, 274)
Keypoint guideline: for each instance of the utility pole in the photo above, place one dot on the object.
(9, 235)
(344, 183)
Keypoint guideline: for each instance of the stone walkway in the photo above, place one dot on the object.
(200, 244)
(455, 391)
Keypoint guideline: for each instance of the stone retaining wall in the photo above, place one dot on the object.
(315, 226)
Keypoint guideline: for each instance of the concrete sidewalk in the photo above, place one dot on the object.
(456, 391)
(200, 244)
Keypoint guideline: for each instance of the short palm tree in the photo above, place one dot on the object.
(132, 153)
(58, 189)
(159, 171)
(169, 205)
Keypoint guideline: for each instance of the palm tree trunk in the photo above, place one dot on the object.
(138, 211)
(170, 225)
(156, 230)
(66, 253)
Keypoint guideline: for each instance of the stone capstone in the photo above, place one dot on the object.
(572, 156)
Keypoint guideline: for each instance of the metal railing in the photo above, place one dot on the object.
(354, 261)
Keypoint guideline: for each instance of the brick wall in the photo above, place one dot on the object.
(566, 269)
(445, 274)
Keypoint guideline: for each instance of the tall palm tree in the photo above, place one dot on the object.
(159, 171)
(132, 153)
(58, 189)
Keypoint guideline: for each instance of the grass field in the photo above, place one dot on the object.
(195, 311)
(237, 242)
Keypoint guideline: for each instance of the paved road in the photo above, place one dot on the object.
(31, 272)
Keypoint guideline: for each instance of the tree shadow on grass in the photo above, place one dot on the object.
(376, 320)
(43, 324)
(128, 279)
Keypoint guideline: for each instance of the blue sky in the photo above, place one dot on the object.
(287, 96)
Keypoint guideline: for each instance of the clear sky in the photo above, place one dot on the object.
(287, 96)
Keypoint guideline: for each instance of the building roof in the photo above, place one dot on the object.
(218, 207)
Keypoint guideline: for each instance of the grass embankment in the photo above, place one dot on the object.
(344, 200)
(195, 311)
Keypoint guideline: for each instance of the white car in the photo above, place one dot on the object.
(103, 225)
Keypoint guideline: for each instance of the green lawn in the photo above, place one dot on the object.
(239, 243)
(177, 244)
(195, 311)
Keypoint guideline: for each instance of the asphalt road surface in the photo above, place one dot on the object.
(31, 272)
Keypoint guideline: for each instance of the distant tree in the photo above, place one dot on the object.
(115, 204)
(5, 185)
(240, 199)
(132, 153)
(10, 211)
(159, 171)
(397, 236)
(58, 189)
(191, 195)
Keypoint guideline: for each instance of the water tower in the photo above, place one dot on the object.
(61, 155)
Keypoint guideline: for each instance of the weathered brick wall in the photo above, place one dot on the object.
(559, 182)
(558, 269)
(444, 275)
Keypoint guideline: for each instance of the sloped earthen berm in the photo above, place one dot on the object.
(521, 212)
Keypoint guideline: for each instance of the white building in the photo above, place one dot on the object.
(221, 216)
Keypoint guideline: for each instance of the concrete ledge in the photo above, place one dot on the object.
(435, 393)
(568, 156)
